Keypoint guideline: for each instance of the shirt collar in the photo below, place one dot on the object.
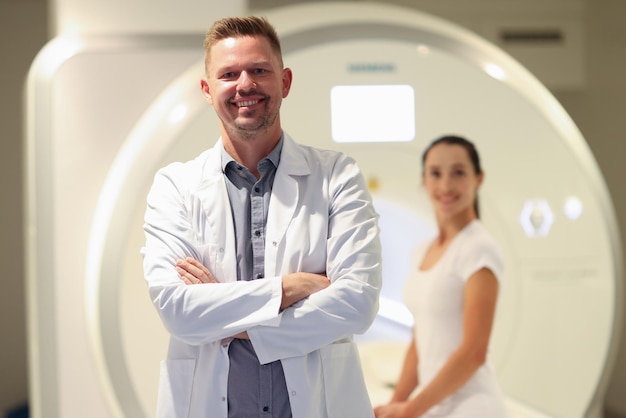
(273, 156)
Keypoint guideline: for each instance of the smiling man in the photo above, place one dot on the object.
(262, 256)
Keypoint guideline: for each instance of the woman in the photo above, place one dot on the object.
(452, 292)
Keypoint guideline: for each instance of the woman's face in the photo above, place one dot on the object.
(451, 181)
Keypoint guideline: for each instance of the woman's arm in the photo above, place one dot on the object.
(408, 377)
(407, 382)
(481, 294)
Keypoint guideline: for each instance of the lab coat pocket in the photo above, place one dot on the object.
(175, 383)
(344, 385)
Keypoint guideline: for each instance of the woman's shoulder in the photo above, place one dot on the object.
(478, 248)
(478, 235)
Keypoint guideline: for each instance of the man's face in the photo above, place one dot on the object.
(246, 84)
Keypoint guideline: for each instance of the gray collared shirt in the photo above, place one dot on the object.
(254, 389)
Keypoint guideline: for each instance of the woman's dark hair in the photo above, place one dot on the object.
(471, 152)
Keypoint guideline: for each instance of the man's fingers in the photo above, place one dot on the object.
(198, 265)
(186, 277)
(193, 272)
(201, 268)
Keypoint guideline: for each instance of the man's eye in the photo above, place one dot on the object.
(259, 71)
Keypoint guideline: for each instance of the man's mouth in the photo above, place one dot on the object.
(247, 103)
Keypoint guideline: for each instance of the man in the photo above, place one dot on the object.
(262, 256)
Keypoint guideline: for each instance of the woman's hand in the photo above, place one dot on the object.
(392, 410)
(191, 271)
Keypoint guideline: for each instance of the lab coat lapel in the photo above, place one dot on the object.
(284, 200)
(216, 206)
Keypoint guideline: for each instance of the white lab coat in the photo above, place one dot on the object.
(320, 219)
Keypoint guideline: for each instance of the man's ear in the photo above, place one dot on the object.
(287, 79)
(206, 92)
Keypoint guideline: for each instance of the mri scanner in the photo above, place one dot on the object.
(104, 113)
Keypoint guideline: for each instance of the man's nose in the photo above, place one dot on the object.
(246, 82)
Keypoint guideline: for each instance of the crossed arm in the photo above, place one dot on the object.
(297, 304)
(295, 286)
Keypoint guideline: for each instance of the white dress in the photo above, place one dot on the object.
(435, 298)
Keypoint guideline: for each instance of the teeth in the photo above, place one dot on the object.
(247, 103)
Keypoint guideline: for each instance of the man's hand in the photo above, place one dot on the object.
(297, 286)
(191, 271)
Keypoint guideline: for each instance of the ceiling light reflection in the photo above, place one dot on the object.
(495, 71)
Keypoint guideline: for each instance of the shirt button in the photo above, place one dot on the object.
(256, 189)
(257, 233)
(223, 398)
(293, 393)
(266, 408)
